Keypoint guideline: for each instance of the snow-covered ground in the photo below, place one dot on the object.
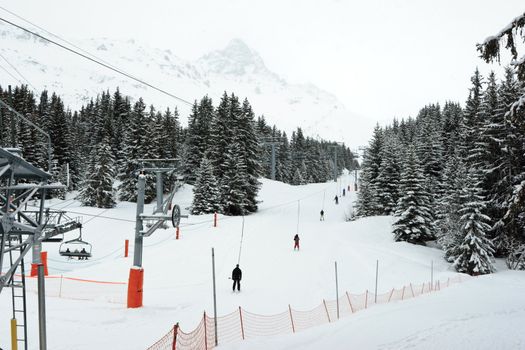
(481, 313)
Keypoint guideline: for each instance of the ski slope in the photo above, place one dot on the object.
(178, 279)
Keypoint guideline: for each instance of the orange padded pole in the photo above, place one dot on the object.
(34, 267)
(135, 285)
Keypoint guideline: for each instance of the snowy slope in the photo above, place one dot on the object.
(236, 68)
(177, 286)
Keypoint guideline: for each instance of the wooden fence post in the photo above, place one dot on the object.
(175, 331)
(205, 332)
(390, 296)
(242, 325)
(327, 314)
(349, 302)
(291, 318)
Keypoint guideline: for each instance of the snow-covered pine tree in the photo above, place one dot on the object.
(283, 161)
(471, 116)
(250, 151)
(474, 254)
(223, 131)
(368, 201)
(206, 194)
(414, 219)
(448, 205)
(98, 186)
(297, 178)
(508, 38)
(452, 128)
(233, 182)
(133, 150)
(389, 175)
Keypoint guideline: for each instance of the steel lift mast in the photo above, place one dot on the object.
(21, 233)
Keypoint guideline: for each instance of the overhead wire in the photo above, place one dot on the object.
(21, 75)
(55, 35)
(10, 74)
(117, 70)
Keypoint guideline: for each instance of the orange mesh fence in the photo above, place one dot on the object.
(307, 319)
(242, 324)
(254, 325)
(81, 289)
(166, 342)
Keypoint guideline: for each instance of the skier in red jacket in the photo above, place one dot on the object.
(296, 240)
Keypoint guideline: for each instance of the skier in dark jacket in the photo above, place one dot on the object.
(322, 215)
(296, 240)
(336, 199)
(236, 277)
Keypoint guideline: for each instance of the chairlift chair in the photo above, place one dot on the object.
(76, 248)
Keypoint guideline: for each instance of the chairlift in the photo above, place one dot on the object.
(76, 248)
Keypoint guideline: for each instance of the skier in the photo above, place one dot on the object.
(236, 277)
(348, 188)
(322, 215)
(296, 240)
(336, 199)
(84, 253)
(344, 192)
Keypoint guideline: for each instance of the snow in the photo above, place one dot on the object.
(485, 312)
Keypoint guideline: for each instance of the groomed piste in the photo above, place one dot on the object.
(86, 304)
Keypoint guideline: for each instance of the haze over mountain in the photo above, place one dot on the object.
(236, 68)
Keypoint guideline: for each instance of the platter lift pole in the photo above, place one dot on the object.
(158, 218)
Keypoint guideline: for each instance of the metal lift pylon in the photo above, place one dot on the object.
(21, 233)
(158, 218)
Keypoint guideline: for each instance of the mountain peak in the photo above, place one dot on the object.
(237, 58)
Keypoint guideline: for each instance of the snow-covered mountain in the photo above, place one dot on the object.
(236, 68)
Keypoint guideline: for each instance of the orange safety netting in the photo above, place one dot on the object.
(81, 289)
(242, 324)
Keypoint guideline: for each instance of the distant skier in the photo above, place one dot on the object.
(322, 215)
(344, 192)
(236, 277)
(296, 240)
(336, 199)
(348, 188)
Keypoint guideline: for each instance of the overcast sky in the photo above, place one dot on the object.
(380, 58)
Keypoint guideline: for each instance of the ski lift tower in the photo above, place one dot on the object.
(21, 232)
(157, 219)
(336, 167)
(362, 150)
(273, 142)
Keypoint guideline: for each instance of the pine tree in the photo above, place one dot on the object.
(133, 150)
(233, 182)
(414, 222)
(447, 216)
(98, 186)
(475, 251)
(369, 199)
(206, 194)
(249, 148)
(389, 176)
